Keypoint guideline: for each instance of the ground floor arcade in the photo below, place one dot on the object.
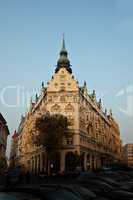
(65, 159)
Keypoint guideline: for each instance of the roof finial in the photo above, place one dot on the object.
(105, 112)
(84, 83)
(111, 113)
(94, 95)
(63, 42)
(100, 103)
(42, 85)
(36, 98)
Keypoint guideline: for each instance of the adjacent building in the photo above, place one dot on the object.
(13, 153)
(94, 133)
(4, 132)
(128, 155)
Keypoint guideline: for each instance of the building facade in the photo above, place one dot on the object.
(128, 155)
(13, 153)
(94, 134)
(4, 132)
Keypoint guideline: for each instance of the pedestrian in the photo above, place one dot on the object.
(51, 168)
(28, 177)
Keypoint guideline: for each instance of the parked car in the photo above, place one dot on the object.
(97, 186)
(82, 192)
(47, 192)
(18, 196)
(127, 187)
(108, 180)
(122, 195)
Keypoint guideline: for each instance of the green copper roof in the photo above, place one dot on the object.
(63, 60)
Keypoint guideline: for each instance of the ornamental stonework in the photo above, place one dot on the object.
(62, 98)
(69, 108)
(56, 108)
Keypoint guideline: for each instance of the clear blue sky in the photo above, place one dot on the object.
(99, 38)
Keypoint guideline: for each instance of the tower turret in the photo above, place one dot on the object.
(63, 60)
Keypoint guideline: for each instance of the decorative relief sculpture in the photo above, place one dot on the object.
(89, 128)
(62, 89)
(55, 97)
(50, 99)
(43, 109)
(70, 97)
(70, 120)
(82, 124)
(69, 108)
(75, 98)
(56, 108)
(63, 98)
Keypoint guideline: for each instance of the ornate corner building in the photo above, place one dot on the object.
(95, 135)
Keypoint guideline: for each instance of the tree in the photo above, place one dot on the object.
(52, 129)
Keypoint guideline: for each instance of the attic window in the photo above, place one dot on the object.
(62, 88)
(62, 76)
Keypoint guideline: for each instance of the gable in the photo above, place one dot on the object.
(62, 81)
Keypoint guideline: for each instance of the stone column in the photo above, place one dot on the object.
(38, 163)
(98, 161)
(35, 164)
(90, 161)
(95, 161)
(41, 162)
(44, 162)
(32, 164)
(85, 161)
(62, 161)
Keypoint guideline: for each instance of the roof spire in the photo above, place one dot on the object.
(63, 42)
(63, 61)
(63, 51)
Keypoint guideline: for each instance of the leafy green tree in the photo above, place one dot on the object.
(52, 129)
